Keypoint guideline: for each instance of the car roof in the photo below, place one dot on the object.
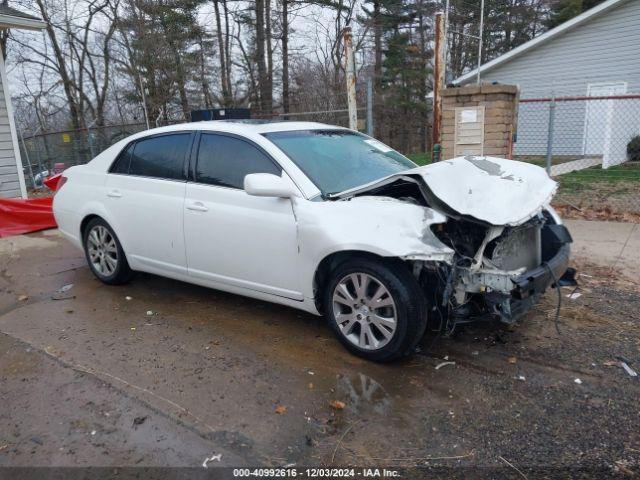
(244, 126)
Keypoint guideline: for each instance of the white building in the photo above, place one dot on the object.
(11, 171)
(596, 54)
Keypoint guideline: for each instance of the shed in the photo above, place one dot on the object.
(596, 54)
(11, 171)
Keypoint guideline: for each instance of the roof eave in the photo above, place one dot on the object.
(10, 21)
(534, 42)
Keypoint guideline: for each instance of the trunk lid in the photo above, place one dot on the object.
(493, 190)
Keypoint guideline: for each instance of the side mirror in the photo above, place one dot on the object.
(268, 185)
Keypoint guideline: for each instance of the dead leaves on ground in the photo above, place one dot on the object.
(601, 214)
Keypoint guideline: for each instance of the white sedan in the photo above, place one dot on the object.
(323, 219)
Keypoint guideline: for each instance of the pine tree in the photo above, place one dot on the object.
(165, 42)
(563, 10)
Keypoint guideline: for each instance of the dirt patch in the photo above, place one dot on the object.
(53, 415)
(271, 386)
(582, 212)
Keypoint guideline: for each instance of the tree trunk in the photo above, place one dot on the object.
(377, 69)
(263, 80)
(180, 80)
(227, 51)
(74, 111)
(268, 35)
(285, 56)
(224, 83)
(423, 88)
(206, 90)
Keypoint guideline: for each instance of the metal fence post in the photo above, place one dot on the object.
(40, 167)
(26, 154)
(90, 142)
(552, 117)
(370, 107)
(438, 86)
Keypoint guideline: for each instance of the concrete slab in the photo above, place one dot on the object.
(612, 244)
(575, 165)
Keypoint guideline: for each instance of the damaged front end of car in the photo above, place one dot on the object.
(500, 272)
(509, 245)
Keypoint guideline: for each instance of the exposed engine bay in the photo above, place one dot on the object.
(489, 278)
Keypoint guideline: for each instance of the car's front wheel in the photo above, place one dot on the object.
(104, 253)
(376, 308)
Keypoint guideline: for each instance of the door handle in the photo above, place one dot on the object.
(114, 194)
(197, 207)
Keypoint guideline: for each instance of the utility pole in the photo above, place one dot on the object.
(446, 37)
(144, 101)
(480, 39)
(438, 85)
(351, 78)
(370, 107)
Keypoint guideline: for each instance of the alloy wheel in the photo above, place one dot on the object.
(365, 311)
(103, 251)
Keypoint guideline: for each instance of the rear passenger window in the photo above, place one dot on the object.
(160, 157)
(121, 165)
(225, 161)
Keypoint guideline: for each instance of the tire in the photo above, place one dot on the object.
(104, 253)
(382, 340)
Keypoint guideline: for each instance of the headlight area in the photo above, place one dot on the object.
(498, 273)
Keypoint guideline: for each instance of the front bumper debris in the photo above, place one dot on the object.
(536, 281)
(507, 296)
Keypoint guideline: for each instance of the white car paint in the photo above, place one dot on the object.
(242, 240)
(147, 213)
(268, 247)
(490, 189)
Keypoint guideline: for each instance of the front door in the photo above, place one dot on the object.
(232, 238)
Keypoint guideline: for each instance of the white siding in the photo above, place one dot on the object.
(9, 181)
(603, 49)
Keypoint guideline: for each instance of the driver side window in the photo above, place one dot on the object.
(224, 161)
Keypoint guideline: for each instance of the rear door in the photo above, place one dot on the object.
(233, 238)
(145, 200)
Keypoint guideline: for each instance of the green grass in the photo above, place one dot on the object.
(625, 177)
(420, 158)
(617, 187)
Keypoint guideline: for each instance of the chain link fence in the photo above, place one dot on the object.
(338, 117)
(47, 153)
(589, 145)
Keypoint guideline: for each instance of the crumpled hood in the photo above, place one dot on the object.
(493, 190)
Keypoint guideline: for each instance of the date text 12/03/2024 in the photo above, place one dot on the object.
(292, 472)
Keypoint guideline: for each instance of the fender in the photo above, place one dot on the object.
(383, 226)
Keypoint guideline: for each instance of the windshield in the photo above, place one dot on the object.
(337, 160)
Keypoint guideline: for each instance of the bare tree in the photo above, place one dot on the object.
(264, 85)
(285, 56)
(223, 54)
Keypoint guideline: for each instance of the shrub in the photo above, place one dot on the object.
(633, 149)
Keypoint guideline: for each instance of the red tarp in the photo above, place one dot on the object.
(19, 216)
(52, 182)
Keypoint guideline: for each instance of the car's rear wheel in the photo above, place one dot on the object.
(376, 308)
(104, 253)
